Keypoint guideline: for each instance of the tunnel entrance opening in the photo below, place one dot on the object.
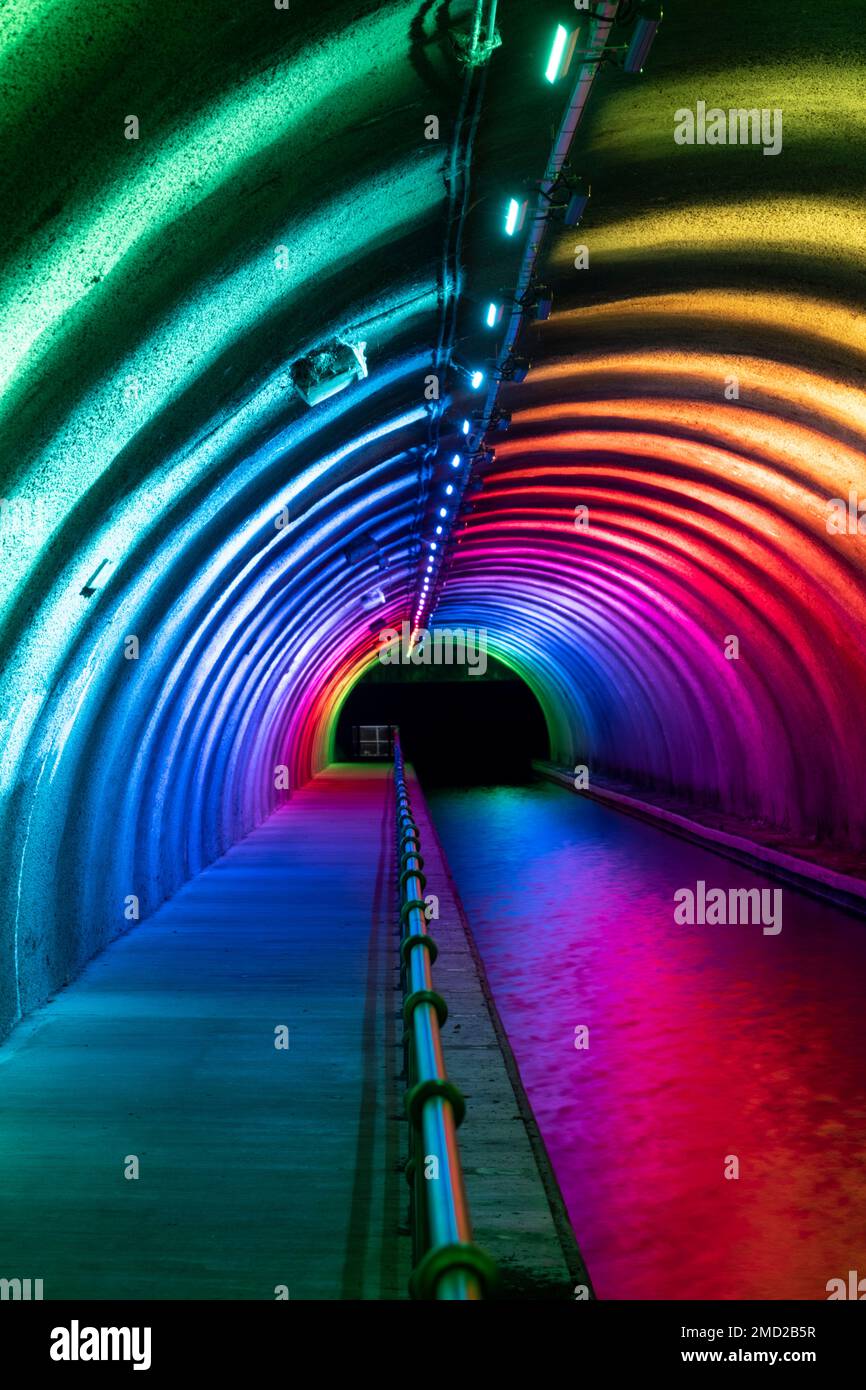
(457, 728)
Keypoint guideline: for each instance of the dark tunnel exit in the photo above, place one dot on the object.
(456, 727)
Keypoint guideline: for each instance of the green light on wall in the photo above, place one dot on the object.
(555, 65)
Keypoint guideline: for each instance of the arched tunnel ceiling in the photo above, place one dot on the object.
(281, 193)
(698, 389)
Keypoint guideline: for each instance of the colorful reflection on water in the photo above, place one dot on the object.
(705, 1042)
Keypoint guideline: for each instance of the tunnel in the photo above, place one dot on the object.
(327, 330)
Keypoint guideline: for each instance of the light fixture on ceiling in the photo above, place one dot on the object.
(649, 17)
(561, 53)
(514, 215)
(474, 375)
(543, 307)
(567, 196)
(575, 207)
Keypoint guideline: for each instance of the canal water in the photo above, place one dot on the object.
(706, 1045)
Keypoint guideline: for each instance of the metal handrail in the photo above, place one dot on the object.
(446, 1262)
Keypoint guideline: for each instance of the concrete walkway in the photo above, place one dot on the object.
(258, 1167)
